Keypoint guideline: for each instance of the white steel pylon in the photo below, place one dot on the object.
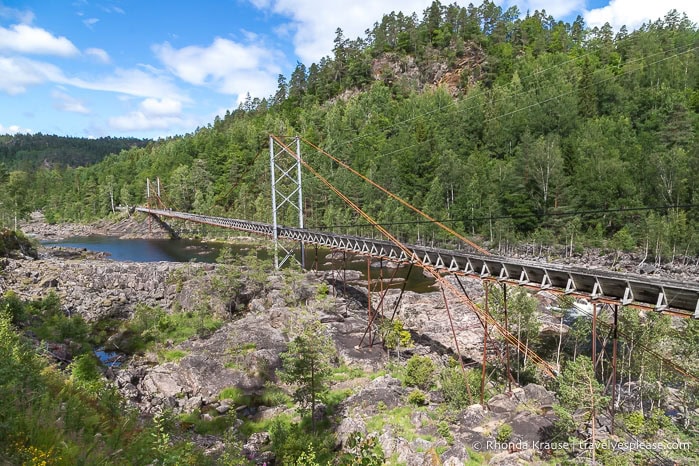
(286, 183)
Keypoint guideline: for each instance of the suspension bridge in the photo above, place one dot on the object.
(600, 287)
(653, 293)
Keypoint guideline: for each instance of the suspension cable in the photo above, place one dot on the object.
(546, 367)
(399, 199)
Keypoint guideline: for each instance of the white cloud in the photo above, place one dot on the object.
(89, 22)
(99, 54)
(161, 107)
(633, 13)
(132, 82)
(14, 129)
(227, 66)
(25, 17)
(16, 74)
(27, 39)
(138, 121)
(153, 114)
(67, 103)
(261, 4)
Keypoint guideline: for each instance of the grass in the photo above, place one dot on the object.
(400, 421)
(215, 426)
(250, 427)
(335, 397)
(171, 355)
(151, 326)
(344, 373)
(272, 395)
(236, 395)
(397, 371)
(475, 458)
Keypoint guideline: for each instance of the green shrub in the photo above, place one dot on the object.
(272, 395)
(85, 373)
(419, 372)
(417, 397)
(14, 307)
(504, 433)
(445, 432)
(395, 336)
(656, 421)
(322, 291)
(634, 422)
(49, 417)
(454, 388)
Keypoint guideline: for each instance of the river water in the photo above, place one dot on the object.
(144, 250)
(185, 250)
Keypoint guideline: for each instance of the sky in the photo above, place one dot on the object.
(154, 68)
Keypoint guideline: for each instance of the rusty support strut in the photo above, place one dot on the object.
(594, 338)
(458, 351)
(614, 350)
(485, 346)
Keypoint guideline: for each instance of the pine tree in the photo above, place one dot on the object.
(307, 365)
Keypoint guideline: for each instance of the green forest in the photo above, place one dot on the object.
(29, 152)
(508, 127)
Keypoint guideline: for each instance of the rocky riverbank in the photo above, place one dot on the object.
(244, 352)
(240, 359)
(124, 226)
(225, 375)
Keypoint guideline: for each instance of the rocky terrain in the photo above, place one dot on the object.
(244, 353)
(100, 289)
(126, 226)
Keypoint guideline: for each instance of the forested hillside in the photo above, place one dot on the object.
(31, 151)
(510, 127)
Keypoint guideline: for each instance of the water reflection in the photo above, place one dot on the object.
(184, 250)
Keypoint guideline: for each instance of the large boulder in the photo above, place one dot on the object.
(530, 428)
(241, 354)
(385, 389)
(347, 427)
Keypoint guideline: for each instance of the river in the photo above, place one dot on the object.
(185, 250)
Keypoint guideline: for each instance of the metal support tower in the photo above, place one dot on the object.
(286, 183)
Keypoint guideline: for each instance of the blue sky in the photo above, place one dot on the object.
(152, 68)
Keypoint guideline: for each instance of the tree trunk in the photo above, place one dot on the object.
(594, 418)
(526, 351)
(560, 341)
(640, 387)
(519, 340)
(313, 398)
